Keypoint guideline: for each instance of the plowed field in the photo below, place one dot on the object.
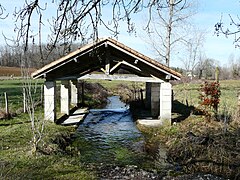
(11, 71)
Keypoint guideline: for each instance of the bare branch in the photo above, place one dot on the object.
(2, 11)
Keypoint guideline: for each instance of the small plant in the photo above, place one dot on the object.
(210, 97)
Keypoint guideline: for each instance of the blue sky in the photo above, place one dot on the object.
(209, 13)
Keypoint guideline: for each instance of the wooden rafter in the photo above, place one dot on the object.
(108, 56)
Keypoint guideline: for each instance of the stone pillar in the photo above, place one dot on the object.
(74, 92)
(166, 102)
(50, 100)
(65, 97)
(148, 95)
(155, 99)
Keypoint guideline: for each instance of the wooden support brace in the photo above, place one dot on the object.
(107, 61)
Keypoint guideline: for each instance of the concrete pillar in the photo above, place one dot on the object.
(74, 92)
(155, 99)
(65, 97)
(166, 102)
(148, 96)
(50, 100)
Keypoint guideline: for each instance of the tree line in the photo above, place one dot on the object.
(207, 68)
(16, 56)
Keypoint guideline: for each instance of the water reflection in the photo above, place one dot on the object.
(114, 123)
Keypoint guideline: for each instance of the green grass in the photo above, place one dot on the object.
(190, 92)
(16, 161)
(14, 90)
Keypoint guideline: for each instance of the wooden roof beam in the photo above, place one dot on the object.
(121, 77)
(125, 63)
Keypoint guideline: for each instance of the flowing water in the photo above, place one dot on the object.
(110, 136)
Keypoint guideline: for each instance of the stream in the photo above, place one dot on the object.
(110, 144)
(110, 136)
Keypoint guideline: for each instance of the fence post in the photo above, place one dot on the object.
(6, 104)
(217, 74)
(24, 100)
(238, 113)
(42, 95)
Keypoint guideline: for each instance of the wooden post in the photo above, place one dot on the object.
(238, 113)
(83, 93)
(217, 74)
(24, 101)
(42, 95)
(142, 100)
(107, 60)
(148, 95)
(6, 104)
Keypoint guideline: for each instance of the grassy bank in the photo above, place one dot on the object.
(55, 158)
(16, 161)
(212, 146)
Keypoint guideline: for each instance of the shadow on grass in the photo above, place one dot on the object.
(182, 110)
(11, 123)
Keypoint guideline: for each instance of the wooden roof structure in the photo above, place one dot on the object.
(105, 57)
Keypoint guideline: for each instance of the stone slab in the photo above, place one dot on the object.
(150, 122)
(76, 117)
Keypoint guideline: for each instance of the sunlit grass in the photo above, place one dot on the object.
(17, 162)
(189, 92)
(14, 90)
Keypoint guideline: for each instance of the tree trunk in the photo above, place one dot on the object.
(169, 32)
(200, 74)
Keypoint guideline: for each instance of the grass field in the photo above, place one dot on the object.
(15, 134)
(190, 92)
(14, 90)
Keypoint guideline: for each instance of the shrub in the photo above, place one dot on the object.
(210, 97)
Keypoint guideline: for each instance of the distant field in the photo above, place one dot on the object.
(182, 92)
(12, 71)
(190, 92)
(14, 90)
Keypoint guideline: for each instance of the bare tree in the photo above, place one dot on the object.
(166, 26)
(73, 20)
(193, 52)
(234, 66)
(207, 67)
